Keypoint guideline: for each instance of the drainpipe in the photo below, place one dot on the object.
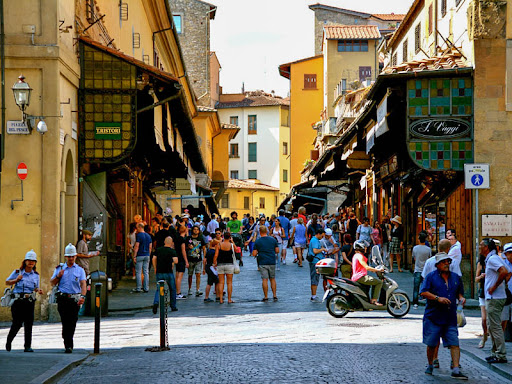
(2, 59)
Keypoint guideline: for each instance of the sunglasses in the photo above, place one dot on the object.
(447, 261)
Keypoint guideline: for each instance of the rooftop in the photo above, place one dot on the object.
(449, 60)
(342, 32)
(251, 99)
(249, 184)
(284, 69)
(388, 16)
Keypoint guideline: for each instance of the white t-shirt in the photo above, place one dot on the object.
(430, 266)
(492, 263)
(456, 255)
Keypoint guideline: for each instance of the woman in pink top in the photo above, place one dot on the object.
(376, 235)
(360, 270)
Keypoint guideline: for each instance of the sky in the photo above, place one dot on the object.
(253, 37)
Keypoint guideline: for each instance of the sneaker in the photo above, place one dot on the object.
(415, 306)
(277, 268)
(189, 292)
(284, 262)
(136, 290)
(146, 290)
(198, 293)
(315, 299)
(155, 307)
(436, 363)
(459, 376)
(180, 297)
(208, 300)
(429, 370)
(497, 360)
(28, 350)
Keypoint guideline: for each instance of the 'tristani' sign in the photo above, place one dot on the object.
(496, 225)
(107, 131)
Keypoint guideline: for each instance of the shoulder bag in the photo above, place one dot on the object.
(235, 261)
(8, 297)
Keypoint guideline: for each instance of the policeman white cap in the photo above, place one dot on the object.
(507, 248)
(70, 250)
(31, 255)
(328, 232)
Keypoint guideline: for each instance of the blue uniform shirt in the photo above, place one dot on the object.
(27, 284)
(285, 223)
(70, 281)
(442, 314)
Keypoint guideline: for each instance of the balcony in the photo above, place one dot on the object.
(329, 126)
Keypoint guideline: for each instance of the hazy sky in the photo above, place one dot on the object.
(253, 37)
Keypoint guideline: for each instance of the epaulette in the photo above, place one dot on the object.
(37, 273)
(17, 271)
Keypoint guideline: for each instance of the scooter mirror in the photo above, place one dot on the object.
(376, 257)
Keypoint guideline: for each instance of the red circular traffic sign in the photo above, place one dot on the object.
(22, 171)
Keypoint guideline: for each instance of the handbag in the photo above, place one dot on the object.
(309, 257)
(509, 296)
(8, 297)
(235, 262)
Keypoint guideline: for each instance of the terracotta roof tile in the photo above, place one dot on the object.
(255, 99)
(449, 60)
(245, 184)
(388, 16)
(340, 32)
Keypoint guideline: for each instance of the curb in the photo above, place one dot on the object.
(57, 371)
(492, 367)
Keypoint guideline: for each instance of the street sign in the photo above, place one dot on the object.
(17, 128)
(476, 176)
(22, 171)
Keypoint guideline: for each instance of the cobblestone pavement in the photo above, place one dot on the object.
(273, 363)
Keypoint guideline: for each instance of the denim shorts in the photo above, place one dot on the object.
(267, 271)
(315, 277)
(433, 332)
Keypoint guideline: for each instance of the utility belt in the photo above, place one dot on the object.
(31, 297)
(61, 295)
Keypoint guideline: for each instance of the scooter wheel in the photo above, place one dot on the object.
(336, 305)
(398, 304)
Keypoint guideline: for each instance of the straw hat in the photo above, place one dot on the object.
(397, 219)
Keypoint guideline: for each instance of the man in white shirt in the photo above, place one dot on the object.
(212, 225)
(495, 297)
(430, 265)
(455, 253)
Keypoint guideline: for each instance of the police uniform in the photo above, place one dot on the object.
(67, 299)
(23, 307)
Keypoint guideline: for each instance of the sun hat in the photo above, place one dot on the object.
(397, 219)
(442, 256)
(328, 232)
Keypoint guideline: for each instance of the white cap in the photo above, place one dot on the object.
(507, 248)
(328, 231)
(70, 250)
(31, 255)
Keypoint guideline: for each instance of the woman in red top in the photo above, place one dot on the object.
(360, 270)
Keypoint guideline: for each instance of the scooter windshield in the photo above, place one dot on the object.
(376, 257)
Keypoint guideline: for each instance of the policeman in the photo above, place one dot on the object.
(70, 279)
(26, 285)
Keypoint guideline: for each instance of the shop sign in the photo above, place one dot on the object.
(439, 128)
(107, 131)
(17, 128)
(370, 139)
(496, 225)
(382, 112)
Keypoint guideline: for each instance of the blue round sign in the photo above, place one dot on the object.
(477, 180)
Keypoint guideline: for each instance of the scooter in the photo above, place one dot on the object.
(344, 295)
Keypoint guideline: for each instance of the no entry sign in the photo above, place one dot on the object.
(22, 171)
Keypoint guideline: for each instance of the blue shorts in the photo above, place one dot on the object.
(432, 333)
(315, 277)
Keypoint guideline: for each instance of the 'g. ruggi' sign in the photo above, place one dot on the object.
(439, 128)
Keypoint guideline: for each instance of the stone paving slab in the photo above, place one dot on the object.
(273, 363)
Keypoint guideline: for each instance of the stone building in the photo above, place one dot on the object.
(192, 19)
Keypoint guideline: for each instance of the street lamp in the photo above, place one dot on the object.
(21, 91)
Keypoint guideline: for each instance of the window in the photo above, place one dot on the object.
(393, 59)
(443, 8)
(225, 201)
(262, 203)
(365, 73)
(253, 174)
(417, 38)
(178, 23)
(252, 125)
(234, 174)
(309, 81)
(253, 149)
(285, 149)
(352, 45)
(404, 50)
(285, 175)
(343, 84)
(430, 20)
(233, 120)
(246, 202)
(233, 151)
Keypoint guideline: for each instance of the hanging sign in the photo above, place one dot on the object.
(439, 128)
(107, 131)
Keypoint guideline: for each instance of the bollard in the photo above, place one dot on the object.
(163, 337)
(97, 316)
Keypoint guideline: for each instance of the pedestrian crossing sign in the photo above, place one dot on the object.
(476, 176)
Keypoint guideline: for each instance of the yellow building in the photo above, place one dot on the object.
(249, 196)
(306, 102)
(350, 58)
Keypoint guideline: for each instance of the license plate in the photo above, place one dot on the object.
(326, 294)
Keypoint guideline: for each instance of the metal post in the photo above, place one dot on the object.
(97, 316)
(163, 320)
(477, 233)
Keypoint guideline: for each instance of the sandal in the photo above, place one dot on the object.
(264, 299)
(231, 302)
(482, 342)
(275, 299)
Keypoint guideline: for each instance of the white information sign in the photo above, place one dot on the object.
(496, 225)
(17, 128)
(476, 176)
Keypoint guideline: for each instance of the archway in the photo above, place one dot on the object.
(68, 197)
